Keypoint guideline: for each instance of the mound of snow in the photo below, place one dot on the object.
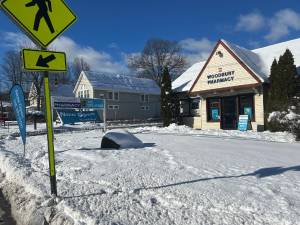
(119, 138)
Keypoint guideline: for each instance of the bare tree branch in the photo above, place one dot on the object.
(157, 55)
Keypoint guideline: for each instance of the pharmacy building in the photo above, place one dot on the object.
(233, 81)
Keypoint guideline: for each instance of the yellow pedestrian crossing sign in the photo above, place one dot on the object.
(36, 60)
(43, 20)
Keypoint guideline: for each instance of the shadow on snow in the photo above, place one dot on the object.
(261, 173)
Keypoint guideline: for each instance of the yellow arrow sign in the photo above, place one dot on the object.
(43, 20)
(36, 60)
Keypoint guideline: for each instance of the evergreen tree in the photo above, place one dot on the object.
(282, 83)
(274, 90)
(166, 99)
(288, 72)
(281, 95)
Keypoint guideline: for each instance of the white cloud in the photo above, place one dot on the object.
(196, 50)
(251, 22)
(282, 24)
(15, 41)
(98, 60)
(278, 26)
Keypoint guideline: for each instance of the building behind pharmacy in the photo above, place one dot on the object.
(232, 82)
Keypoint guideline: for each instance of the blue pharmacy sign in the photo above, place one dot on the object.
(69, 116)
(18, 102)
(92, 103)
(248, 111)
(215, 114)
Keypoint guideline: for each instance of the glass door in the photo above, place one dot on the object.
(229, 113)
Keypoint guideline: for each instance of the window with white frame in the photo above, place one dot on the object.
(144, 98)
(110, 95)
(113, 107)
(145, 107)
(116, 96)
(84, 92)
(113, 96)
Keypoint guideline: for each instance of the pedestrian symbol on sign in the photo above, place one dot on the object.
(42, 13)
(43, 20)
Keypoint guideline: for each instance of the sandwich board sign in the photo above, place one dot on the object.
(36, 60)
(243, 122)
(42, 20)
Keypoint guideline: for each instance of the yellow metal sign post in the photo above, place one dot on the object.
(43, 21)
(50, 134)
(36, 60)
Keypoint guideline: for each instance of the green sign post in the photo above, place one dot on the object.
(43, 22)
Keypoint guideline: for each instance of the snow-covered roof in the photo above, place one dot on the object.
(122, 83)
(252, 60)
(186, 80)
(268, 53)
(258, 60)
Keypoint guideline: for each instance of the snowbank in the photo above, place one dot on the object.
(26, 191)
(185, 130)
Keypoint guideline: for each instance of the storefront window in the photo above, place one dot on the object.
(247, 106)
(195, 107)
(213, 109)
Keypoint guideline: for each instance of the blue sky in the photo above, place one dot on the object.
(108, 31)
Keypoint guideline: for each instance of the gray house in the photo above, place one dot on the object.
(127, 98)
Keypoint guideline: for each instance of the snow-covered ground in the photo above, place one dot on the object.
(181, 176)
(249, 135)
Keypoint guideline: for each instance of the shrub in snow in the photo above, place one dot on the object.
(285, 121)
(117, 139)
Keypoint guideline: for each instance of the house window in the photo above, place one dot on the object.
(80, 94)
(213, 109)
(144, 98)
(116, 96)
(101, 96)
(113, 96)
(145, 107)
(246, 106)
(110, 95)
(195, 107)
(113, 107)
(195, 104)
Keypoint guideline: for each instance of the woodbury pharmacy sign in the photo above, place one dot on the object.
(220, 77)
